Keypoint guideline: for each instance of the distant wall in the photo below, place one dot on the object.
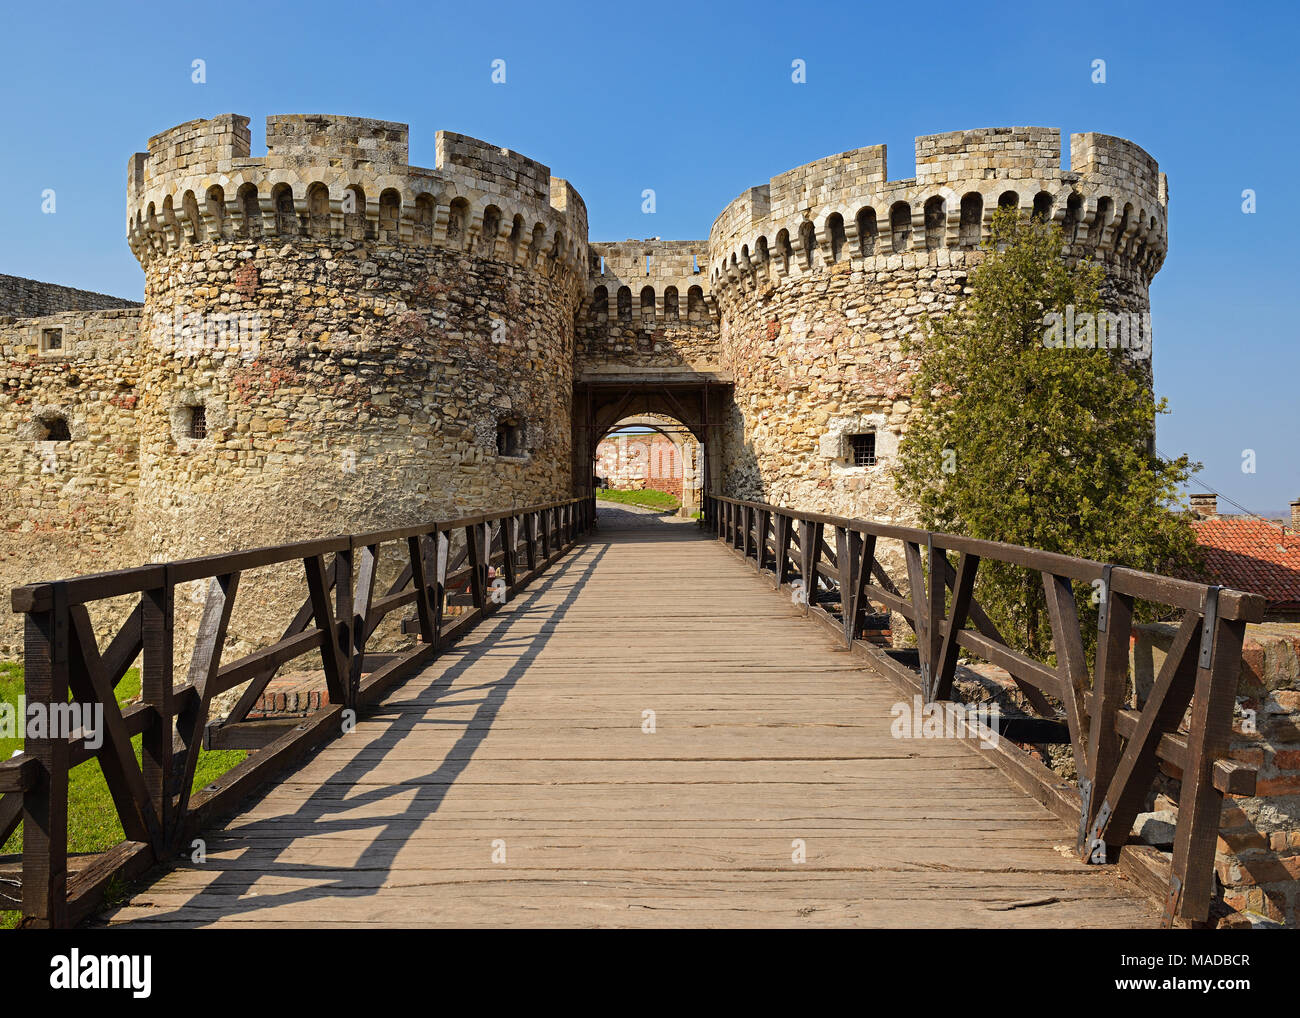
(647, 306)
(67, 497)
(30, 298)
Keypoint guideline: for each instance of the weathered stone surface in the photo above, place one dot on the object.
(334, 340)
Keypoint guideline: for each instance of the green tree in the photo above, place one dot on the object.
(1048, 447)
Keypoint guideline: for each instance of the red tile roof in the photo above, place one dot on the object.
(1252, 555)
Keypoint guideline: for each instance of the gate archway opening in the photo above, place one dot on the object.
(687, 411)
(652, 452)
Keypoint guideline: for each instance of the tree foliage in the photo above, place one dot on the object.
(1048, 447)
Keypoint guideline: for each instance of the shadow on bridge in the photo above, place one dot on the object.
(656, 739)
(401, 714)
(612, 516)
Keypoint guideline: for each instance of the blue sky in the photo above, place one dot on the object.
(696, 102)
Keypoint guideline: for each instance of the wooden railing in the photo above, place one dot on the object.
(64, 665)
(1117, 750)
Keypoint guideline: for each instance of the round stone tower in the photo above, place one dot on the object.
(819, 275)
(336, 340)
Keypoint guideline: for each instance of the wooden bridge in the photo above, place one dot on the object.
(643, 733)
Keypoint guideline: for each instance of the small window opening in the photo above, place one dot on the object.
(51, 339)
(198, 426)
(510, 438)
(862, 449)
(56, 429)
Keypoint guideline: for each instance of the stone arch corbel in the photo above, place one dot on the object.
(133, 240)
(153, 232)
(235, 207)
(916, 199)
(537, 249)
(474, 223)
(850, 226)
(173, 231)
(299, 191)
(191, 219)
(336, 193)
(746, 262)
(989, 192)
(523, 243)
(266, 207)
(951, 215)
(214, 224)
(823, 243)
(1060, 191)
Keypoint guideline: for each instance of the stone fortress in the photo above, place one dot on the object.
(334, 340)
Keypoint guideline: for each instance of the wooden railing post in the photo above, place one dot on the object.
(920, 609)
(530, 540)
(477, 564)
(323, 612)
(808, 552)
(359, 603)
(1199, 802)
(781, 563)
(1110, 679)
(963, 586)
(45, 805)
(935, 608)
(157, 631)
(344, 613)
(510, 547)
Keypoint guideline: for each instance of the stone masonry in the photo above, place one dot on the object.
(358, 342)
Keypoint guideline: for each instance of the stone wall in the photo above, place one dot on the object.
(647, 307)
(1258, 858)
(334, 339)
(30, 298)
(822, 273)
(70, 435)
(372, 398)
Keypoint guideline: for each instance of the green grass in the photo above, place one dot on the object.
(648, 499)
(93, 825)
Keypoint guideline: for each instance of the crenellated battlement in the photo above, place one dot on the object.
(331, 178)
(334, 338)
(1112, 203)
(653, 280)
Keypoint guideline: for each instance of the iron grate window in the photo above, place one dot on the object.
(862, 449)
(198, 422)
(51, 339)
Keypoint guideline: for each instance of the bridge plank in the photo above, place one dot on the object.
(528, 734)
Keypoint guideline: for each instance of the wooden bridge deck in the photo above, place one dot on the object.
(527, 739)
